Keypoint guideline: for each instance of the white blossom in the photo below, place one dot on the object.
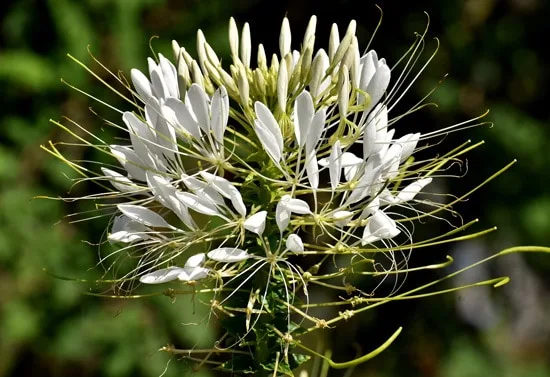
(224, 172)
(304, 142)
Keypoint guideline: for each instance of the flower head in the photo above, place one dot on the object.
(264, 169)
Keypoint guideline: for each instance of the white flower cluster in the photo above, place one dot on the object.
(235, 175)
(312, 127)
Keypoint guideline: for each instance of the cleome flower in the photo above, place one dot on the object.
(325, 120)
(234, 176)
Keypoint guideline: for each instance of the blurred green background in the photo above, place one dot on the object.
(496, 56)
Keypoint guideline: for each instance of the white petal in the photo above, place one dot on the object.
(125, 237)
(192, 183)
(151, 65)
(270, 123)
(379, 116)
(198, 273)
(184, 117)
(409, 143)
(411, 190)
(294, 243)
(377, 119)
(237, 202)
(393, 152)
(282, 216)
(198, 204)
(367, 182)
(166, 138)
(342, 218)
(379, 226)
(369, 139)
(137, 127)
(122, 222)
(374, 78)
(160, 90)
(350, 172)
(269, 142)
(256, 223)
(120, 182)
(193, 273)
(371, 208)
(141, 84)
(143, 215)
(129, 160)
(163, 275)
(170, 76)
(141, 138)
(166, 194)
(297, 206)
(195, 260)
(395, 149)
(384, 141)
(312, 170)
(386, 198)
(126, 230)
(198, 101)
(202, 190)
(228, 254)
(378, 84)
(315, 130)
(349, 159)
(184, 275)
(391, 161)
(220, 113)
(226, 188)
(368, 63)
(170, 116)
(303, 113)
(335, 165)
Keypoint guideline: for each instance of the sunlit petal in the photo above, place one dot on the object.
(163, 275)
(143, 215)
(228, 254)
(256, 222)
